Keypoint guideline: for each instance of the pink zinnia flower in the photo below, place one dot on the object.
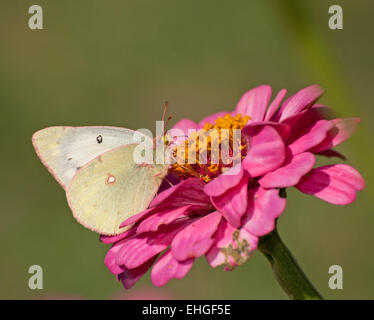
(222, 216)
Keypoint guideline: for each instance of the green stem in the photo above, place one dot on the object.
(286, 270)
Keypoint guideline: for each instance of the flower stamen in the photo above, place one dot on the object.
(201, 154)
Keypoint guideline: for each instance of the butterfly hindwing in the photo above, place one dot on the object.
(112, 188)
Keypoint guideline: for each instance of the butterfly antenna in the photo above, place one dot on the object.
(167, 120)
(166, 104)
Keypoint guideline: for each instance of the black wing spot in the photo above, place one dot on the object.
(70, 159)
(99, 139)
(78, 168)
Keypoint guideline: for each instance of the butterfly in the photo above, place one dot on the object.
(95, 165)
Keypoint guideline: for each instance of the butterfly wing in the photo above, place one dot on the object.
(112, 188)
(64, 150)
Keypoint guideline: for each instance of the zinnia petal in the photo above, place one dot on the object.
(291, 173)
(118, 237)
(282, 128)
(254, 103)
(223, 238)
(212, 118)
(301, 100)
(140, 248)
(187, 192)
(266, 150)
(265, 205)
(342, 130)
(167, 267)
(335, 183)
(233, 203)
(314, 136)
(224, 182)
(160, 218)
(110, 259)
(275, 104)
(137, 217)
(186, 124)
(301, 122)
(196, 239)
(130, 276)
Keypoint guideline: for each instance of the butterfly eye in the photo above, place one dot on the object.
(99, 139)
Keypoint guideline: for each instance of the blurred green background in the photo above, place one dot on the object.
(114, 63)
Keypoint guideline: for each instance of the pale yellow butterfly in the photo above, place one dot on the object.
(95, 166)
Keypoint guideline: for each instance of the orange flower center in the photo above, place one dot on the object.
(201, 154)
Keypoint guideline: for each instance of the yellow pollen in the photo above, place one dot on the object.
(200, 143)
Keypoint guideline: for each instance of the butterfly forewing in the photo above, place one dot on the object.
(64, 150)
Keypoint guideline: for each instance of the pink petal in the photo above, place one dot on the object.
(130, 276)
(314, 136)
(215, 257)
(212, 118)
(136, 251)
(167, 267)
(140, 248)
(301, 122)
(291, 173)
(265, 205)
(342, 130)
(233, 203)
(224, 182)
(160, 218)
(251, 239)
(275, 104)
(137, 217)
(186, 124)
(223, 238)
(254, 103)
(196, 239)
(110, 259)
(282, 129)
(336, 183)
(187, 192)
(346, 128)
(266, 150)
(278, 113)
(301, 100)
(118, 237)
